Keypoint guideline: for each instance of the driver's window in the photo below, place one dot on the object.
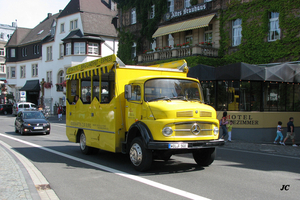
(135, 93)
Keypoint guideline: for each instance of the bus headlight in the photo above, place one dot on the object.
(216, 130)
(167, 131)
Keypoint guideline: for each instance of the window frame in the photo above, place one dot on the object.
(274, 20)
(23, 71)
(34, 70)
(49, 54)
(81, 46)
(13, 72)
(62, 27)
(68, 49)
(94, 47)
(237, 27)
(133, 15)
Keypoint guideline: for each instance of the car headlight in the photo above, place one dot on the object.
(46, 124)
(25, 124)
(167, 131)
(216, 130)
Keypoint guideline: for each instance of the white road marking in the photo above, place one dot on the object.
(117, 172)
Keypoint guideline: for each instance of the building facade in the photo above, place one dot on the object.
(6, 32)
(216, 34)
(81, 32)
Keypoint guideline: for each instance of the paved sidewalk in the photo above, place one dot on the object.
(14, 185)
(271, 148)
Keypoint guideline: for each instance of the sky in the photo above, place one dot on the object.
(28, 13)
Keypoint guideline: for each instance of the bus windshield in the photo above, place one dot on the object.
(172, 89)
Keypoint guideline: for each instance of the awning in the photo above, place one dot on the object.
(283, 73)
(31, 85)
(183, 26)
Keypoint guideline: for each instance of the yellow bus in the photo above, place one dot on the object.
(147, 112)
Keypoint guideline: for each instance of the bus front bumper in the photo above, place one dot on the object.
(190, 145)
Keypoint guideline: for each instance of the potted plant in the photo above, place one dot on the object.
(48, 85)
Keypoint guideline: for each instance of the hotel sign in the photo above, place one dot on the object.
(178, 13)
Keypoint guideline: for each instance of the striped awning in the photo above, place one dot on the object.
(184, 26)
(88, 73)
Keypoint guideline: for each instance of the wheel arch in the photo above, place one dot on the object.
(138, 129)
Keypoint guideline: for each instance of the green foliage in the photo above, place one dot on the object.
(255, 48)
(148, 26)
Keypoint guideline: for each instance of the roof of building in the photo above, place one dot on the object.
(95, 15)
(41, 31)
(18, 36)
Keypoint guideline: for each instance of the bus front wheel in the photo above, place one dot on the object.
(204, 157)
(140, 157)
(83, 147)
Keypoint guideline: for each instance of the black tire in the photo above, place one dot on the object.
(83, 147)
(22, 131)
(140, 157)
(16, 130)
(204, 157)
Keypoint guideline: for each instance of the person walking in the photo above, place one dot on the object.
(279, 134)
(290, 132)
(229, 129)
(59, 112)
(223, 124)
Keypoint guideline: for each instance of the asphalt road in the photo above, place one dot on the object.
(235, 174)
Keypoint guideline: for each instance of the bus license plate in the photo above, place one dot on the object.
(178, 146)
(38, 127)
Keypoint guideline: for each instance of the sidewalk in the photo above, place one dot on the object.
(15, 183)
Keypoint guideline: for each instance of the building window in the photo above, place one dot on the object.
(37, 49)
(62, 28)
(49, 53)
(236, 32)
(24, 51)
(68, 49)
(2, 68)
(189, 37)
(1, 51)
(7, 72)
(22, 71)
(170, 5)
(274, 30)
(79, 48)
(35, 70)
(208, 33)
(12, 53)
(61, 50)
(2, 36)
(133, 16)
(49, 77)
(187, 3)
(152, 12)
(73, 24)
(207, 1)
(13, 72)
(133, 51)
(93, 48)
(34, 49)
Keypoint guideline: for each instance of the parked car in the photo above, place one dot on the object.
(23, 106)
(6, 109)
(30, 122)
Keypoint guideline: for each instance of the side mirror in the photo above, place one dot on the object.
(127, 92)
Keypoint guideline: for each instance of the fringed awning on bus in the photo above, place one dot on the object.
(95, 67)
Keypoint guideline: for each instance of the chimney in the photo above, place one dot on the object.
(49, 15)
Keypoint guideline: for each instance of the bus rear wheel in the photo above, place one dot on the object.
(140, 157)
(83, 147)
(204, 157)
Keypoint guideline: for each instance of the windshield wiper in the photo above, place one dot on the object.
(179, 97)
(160, 98)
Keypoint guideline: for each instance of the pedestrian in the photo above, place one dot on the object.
(223, 124)
(279, 134)
(75, 99)
(59, 112)
(229, 129)
(290, 132)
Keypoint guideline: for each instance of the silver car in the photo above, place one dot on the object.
(22, 106)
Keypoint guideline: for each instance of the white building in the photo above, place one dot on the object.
(6, 32)
(81, 32)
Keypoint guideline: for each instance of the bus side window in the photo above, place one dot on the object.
(86, 90)
(105, 92)
(96, 87)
